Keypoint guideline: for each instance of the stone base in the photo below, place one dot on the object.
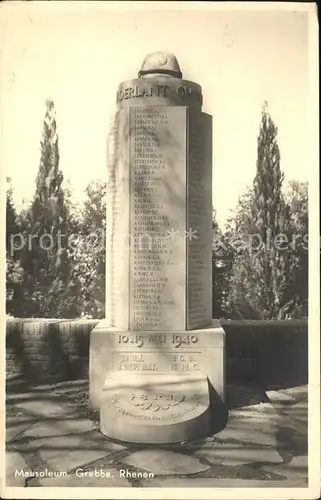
(156, 359)
(162, 409)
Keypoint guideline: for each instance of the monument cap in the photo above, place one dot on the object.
(160, 63)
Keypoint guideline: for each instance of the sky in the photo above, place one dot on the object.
(78, 53)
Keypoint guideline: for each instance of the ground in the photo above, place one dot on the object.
(50, 429)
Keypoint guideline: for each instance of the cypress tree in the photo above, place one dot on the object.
(260, 267)
(45, 257)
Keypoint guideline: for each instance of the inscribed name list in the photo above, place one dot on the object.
(158, 217)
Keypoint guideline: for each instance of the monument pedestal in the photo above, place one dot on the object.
(157, 387)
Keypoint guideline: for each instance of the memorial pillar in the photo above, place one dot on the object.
(158, 358)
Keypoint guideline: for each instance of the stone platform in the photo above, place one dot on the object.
(52, 430)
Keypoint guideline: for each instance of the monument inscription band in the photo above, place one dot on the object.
(157, 361)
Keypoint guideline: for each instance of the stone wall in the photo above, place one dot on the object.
(47, 350)
(271, 353)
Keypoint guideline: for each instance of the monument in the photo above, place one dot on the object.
(157, 363)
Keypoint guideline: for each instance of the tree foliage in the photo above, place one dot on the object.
(297, 291)
(260, 233)
(222, 259)
(260, 259)
(88, 254)
(46, 284)
(14, 272)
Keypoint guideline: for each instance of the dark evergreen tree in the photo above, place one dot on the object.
(47, 285)
(260, 270)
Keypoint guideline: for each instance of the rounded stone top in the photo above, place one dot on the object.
(160, 63)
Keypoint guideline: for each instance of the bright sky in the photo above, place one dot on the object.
(78, 54)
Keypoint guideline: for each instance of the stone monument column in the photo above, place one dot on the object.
(157, 361)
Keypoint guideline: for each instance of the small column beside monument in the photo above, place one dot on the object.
(157, 363)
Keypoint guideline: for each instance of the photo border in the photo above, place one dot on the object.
(313, 489)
